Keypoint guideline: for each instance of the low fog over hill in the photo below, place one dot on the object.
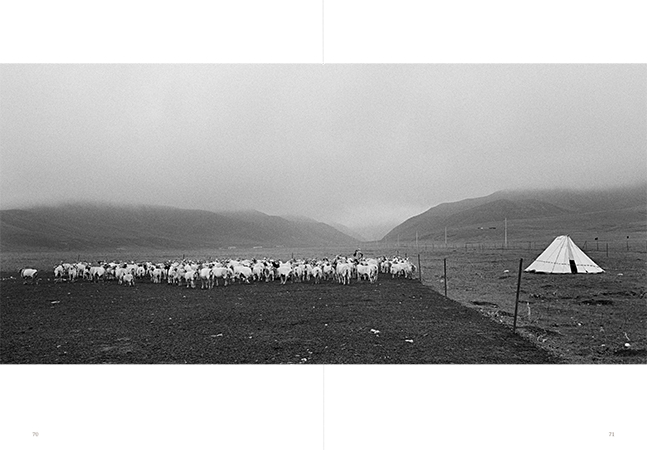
(92, 226)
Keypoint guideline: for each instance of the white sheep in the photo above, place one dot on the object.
(28, 274)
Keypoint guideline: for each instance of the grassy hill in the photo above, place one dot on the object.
(90, 226)
(608, 214)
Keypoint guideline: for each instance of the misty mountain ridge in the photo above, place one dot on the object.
(558, 211)
(86, 226)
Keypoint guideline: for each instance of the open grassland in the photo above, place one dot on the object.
(583, 318)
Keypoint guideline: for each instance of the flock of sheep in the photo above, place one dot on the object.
(223, 272)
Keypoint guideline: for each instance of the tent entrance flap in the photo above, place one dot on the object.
(573, 266)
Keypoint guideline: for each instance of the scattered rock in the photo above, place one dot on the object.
(597, 302)
(481, 303)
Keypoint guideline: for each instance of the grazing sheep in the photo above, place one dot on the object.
(26, 274)
(206, 278)
(189, 277)
(128, 279)
(221, 273)
(97, 273)
(59, 272)
(285, 272)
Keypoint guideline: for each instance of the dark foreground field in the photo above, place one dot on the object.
(393, 322)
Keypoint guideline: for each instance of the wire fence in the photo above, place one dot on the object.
(589, 317)
(614, 246)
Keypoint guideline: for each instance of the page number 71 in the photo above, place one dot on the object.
(611, 434)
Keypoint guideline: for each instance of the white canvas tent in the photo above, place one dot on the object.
(563, 256)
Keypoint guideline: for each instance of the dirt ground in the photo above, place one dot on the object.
(390, 322)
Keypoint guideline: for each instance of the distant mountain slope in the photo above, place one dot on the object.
(87, 226)
(585, 201)
(354, 234)
(323, 230)
(558, 210)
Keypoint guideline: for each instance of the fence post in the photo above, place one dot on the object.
(419, 269)
(607, 249)
(445, 274)
(516, 303)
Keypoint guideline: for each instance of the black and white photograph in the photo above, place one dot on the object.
(317, 238)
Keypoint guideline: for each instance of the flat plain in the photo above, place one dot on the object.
(392, 321)
(561, 318)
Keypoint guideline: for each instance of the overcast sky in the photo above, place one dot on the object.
(340, 143)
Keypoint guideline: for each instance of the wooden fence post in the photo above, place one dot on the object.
(445, 274)
(516, 303)
(419, 269)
